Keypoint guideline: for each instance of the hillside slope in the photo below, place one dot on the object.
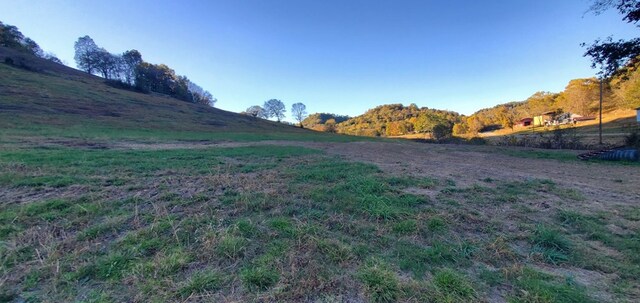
(43, 98)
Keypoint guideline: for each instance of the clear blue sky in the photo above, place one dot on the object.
(339, 56)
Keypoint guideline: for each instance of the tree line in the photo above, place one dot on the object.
(130, 70)
(581, 96)
(324, 122)
(274, 108)
(11, 37)
(388, 120)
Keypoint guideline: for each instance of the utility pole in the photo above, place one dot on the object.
(600, 124)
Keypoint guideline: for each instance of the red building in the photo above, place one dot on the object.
(525, 122)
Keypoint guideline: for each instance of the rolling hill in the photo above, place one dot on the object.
(43, 98)
(109, 195)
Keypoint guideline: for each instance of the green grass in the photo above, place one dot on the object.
(180, 223)
(550, 244)
(232, 247)
(559, 155)
(200, 282)
(453, 287)
(259, 277)
(381, 284)
(539, 287)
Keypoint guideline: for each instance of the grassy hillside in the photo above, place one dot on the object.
(62, 102)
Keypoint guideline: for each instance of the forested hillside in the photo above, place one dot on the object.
(397, 120)
(581, 96)
(323, 121)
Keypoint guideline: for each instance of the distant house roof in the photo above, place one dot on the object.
(526, 119)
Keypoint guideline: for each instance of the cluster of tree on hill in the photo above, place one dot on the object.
(130, 70)
(619, 64)
(389, 120)
(581, 97)
(274, 108)
(12, 38)
(323, 122)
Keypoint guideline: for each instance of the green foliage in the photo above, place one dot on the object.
(441, 131)
(316, 120)
(274, 108)
(396, 119)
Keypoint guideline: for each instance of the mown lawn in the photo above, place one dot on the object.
(278, 223)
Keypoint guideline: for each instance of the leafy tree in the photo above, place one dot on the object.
(330, 126)
(299, 112)
(580, 96)
(52, 57)
(541, 102)
(612, 55)
(199, 95)
(107, 64)
(507, 117)
(398, 128)
(86, 55)
(130, 61)
(626, 86)
(317, 121)
(32, 47)
(255, 111)
(274, 108)
(474, 124)
(396, 119)
(12, 38)
(460, 128)
(441, 131)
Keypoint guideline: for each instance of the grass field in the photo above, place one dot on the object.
(154, 204)
(284, 223)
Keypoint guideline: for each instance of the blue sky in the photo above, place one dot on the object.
(339, 56)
